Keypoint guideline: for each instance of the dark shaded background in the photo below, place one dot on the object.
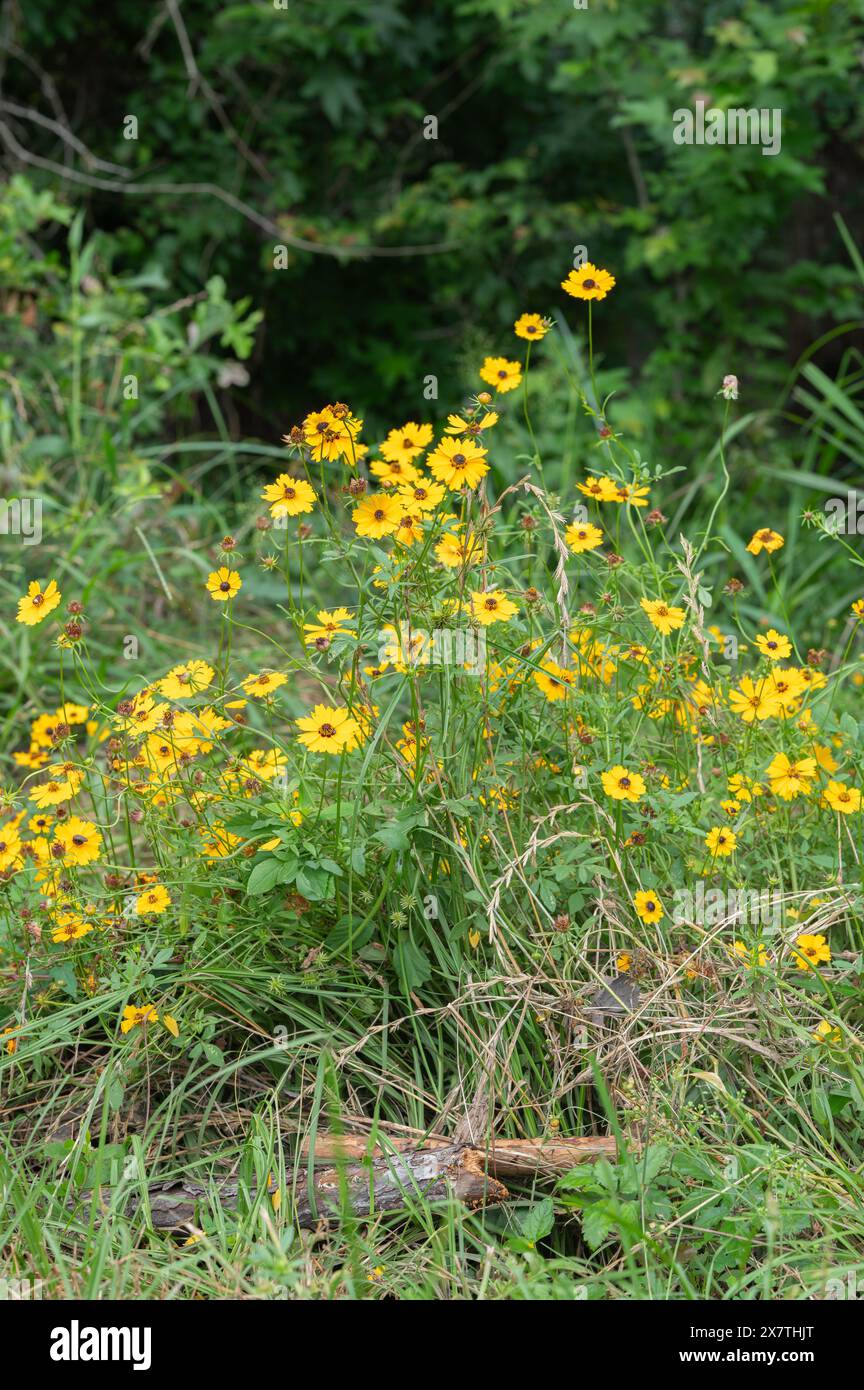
(554, 130)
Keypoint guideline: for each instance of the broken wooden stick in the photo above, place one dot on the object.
(384, 1184)
(503, 1158)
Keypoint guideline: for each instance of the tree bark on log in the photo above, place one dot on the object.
(385, 1184)
(391, 1176)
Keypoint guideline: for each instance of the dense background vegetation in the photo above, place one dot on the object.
(554, 130)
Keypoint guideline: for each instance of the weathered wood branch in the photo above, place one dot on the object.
(385, 1184)
(503, 1158)
(390, 1176)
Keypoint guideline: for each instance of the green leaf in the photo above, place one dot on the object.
(397, 835)
(265, 876)
(538, 1220)
(411, 963)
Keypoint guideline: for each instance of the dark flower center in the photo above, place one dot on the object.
(327, 731)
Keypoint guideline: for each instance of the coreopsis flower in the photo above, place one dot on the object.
(765, 540)
(662, 616)
(409, 530)
(554, 680)
(38, 603)
(217, 842)
(71, 926)
(828, 1034)
(531, 327)
(263, 764)
(774, 645)
(140, 715)
(421, 495)
(376, 516)
(188, 679)
(623, 962)
(404, 444)
(492, 607)
(330, 623)
(332, 433)
(631, 494)
(80, 841)
(289, 496)
(161, 753)
(44, 729)
(720, 842)
(454, 551)
(153, 901)
(601, 489)
(133, 1017)
(10, 847)
(223, 584)
(54, 792)
(326, 729)
(729, 389)
(750, 956)
(790, 779)
(858, 609)
(823, 755)
(458, 424)
(580, 536)
(395, 474)
(588, 282)
(648, 906)
(788, 684)
(265, 683)
(755, 700)
(809, 679)
(501, 373)
(11, 1044)
(32, 757)
(623, 785)
(70, 713)
(841, 798)
(458, 463)
(810, 951)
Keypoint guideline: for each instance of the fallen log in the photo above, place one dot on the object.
(384, 1184)
(503, 1158)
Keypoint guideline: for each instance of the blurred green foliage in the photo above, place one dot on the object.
(554, 130)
